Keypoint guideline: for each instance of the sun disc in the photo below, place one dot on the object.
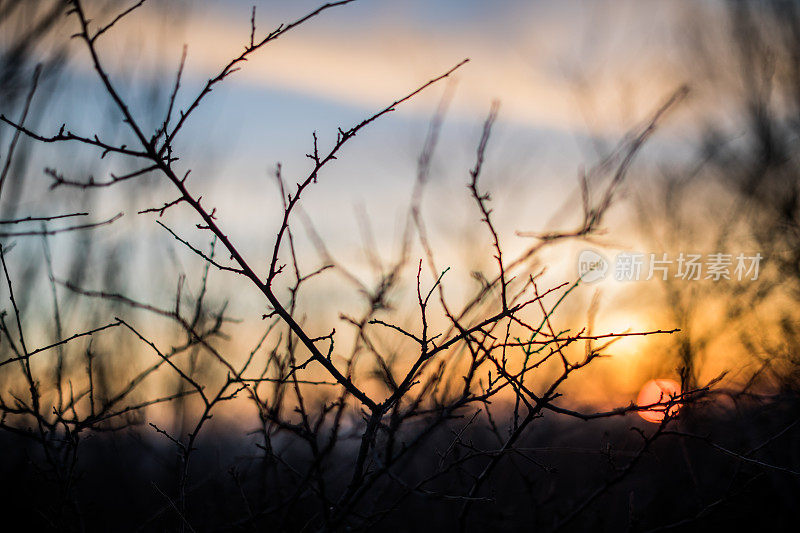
(657, 391)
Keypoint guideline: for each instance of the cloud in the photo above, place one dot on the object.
(526, 58)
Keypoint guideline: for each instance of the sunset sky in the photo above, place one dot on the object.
(571, 78)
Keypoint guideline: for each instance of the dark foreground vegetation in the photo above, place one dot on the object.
(718, 480)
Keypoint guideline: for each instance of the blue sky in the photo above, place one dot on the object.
(566, 74)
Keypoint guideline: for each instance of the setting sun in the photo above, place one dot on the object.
(655, 391)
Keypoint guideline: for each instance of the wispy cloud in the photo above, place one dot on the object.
(370, 62)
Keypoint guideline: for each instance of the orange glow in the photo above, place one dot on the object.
(655, 391)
